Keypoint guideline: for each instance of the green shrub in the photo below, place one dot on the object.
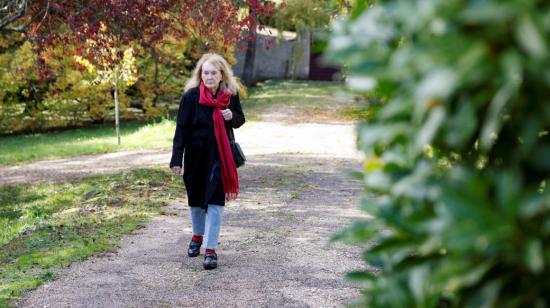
(458, 151)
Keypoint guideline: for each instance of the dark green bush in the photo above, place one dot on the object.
(458, 151)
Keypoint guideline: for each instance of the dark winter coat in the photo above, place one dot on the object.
(195, 137)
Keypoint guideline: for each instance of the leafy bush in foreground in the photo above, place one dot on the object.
(458, 151)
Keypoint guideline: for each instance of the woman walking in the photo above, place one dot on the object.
(209, 107)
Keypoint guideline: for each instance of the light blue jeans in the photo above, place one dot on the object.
(209, 221)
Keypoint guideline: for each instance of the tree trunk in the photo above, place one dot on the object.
(116, 107)
(249, 76)
(249, 59)
(156, 80)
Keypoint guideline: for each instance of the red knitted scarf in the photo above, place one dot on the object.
(230, 178)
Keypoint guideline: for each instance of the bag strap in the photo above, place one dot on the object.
(230, 134)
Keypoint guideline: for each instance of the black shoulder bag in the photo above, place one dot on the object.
(238, 154)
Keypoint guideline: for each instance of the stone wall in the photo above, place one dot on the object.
(275, 62)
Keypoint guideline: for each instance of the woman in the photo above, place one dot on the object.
(209, 107)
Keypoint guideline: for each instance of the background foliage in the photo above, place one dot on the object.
(457, 150)
(43, 86)
(71, 98)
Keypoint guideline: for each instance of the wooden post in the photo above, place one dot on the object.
(116, 106)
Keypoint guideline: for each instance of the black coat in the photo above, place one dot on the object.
(195, 137)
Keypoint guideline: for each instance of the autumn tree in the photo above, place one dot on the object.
(155, 29)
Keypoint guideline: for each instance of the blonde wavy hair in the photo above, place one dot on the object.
(228, 81)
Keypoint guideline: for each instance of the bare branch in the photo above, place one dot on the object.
(45, 14)
(11, 10)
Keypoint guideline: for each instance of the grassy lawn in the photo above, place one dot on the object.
(48, 226)
(134, 136)
(305, 100)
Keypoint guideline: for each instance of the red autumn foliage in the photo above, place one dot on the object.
(114, 23)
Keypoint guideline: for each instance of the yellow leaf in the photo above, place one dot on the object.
(372, 163)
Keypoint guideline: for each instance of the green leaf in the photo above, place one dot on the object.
(418, 283)
(414, 185)
(430, 128)
(434, 89)
(486, 12)
(359, 232)
(539, 158)
(370, 135)
(470, 63)
(509, 185)
(359, 8)
(385, 88)
(485, 296)
(534, 256)
(462, 125)
(530, 37)
(465, 196)
(370, 204)
(411, 261)
(378, 181)
(535, 204)
(545, 230)
(391, 244)
(395, 110)
(465, 275)
(360, 276)
(530, 134)
(494, 118)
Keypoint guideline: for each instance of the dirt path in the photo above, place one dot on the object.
(273, 252)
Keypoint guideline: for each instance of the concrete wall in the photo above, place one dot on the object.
(276, 62)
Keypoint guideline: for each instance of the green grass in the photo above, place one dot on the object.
(306, 100)
(312, 100)
(47, 226)
(134, 136)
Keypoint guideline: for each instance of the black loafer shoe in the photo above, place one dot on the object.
(210, 261)
(194, 248)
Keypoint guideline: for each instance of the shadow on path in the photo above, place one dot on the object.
(273, 249)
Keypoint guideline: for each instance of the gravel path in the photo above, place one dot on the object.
(273, 251)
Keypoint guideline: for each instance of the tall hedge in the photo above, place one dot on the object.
(457, 150)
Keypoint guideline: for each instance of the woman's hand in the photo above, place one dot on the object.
(177, 170)
(227, 114)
